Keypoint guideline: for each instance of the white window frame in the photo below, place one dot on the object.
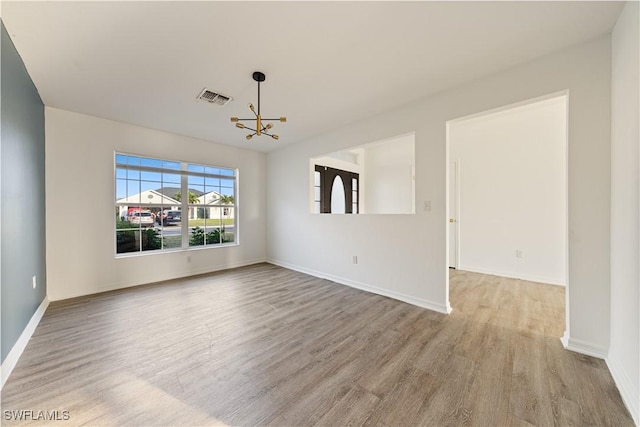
(184, 202)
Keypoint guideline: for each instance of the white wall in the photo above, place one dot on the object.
(624, 353)
(80, 205)
(512, 191)
(388, 186)
(405, 255)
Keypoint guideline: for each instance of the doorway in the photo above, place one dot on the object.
(507, 208)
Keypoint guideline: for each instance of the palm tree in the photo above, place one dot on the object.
(193, 197)
(225, 200)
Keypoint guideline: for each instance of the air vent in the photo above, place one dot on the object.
(214, 97)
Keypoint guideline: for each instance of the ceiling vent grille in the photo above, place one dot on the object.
(214, 97)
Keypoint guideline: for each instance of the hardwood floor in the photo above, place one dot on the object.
(263, 345)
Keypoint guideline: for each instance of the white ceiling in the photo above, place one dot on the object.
(327, 63)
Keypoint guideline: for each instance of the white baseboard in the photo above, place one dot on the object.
(583, 347)
(565, 339)
(513, 275)
(440, 308)
(12, 358)
(630, 395)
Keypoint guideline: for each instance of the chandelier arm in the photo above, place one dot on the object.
(264, 128)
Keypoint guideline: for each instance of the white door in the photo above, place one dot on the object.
(453, 212)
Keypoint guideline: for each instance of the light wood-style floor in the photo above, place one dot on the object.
(263, 345)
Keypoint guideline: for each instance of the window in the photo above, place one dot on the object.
(383, 180)
(168, 205)
(335, 190)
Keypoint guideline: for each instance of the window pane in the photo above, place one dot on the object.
(173, 193)
(229, 231)
(212, 171)
(133, 174)
(170, 178)
(212, 228)
(121, 173)
(195, 180)
(196, 192)
(121, 189)
(227, 172)
(208, 198)
(121, 159)
(212, 182)
(317, 194)
(228, 183)
(171, 165)
(171, 241)
(151, 176)
(316, 207)
(147, 195)
(195, 168)
(150, 239)
(133, 160)
(154, 163)
(127, 241)
(168, 226)
(316, 179)
(196, 235)
(214, 193)
(133, 191)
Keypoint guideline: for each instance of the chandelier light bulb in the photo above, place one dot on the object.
(234, 119)
(283, 119)
(249, 136)
(251, 108)
(268, 126)
(275, 136)
(240, 125)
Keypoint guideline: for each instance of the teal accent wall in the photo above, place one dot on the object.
(22, 212)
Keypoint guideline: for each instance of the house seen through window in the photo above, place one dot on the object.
(170, 205)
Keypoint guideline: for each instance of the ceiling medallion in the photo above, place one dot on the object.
(260, 128)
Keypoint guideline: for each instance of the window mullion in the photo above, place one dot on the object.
(184, 191)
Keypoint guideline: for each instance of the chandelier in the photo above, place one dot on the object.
(260, 128)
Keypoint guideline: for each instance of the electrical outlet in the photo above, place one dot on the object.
(355, 259)
(518, 253)
(188, 259)
(33, 280)
(427, 206)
